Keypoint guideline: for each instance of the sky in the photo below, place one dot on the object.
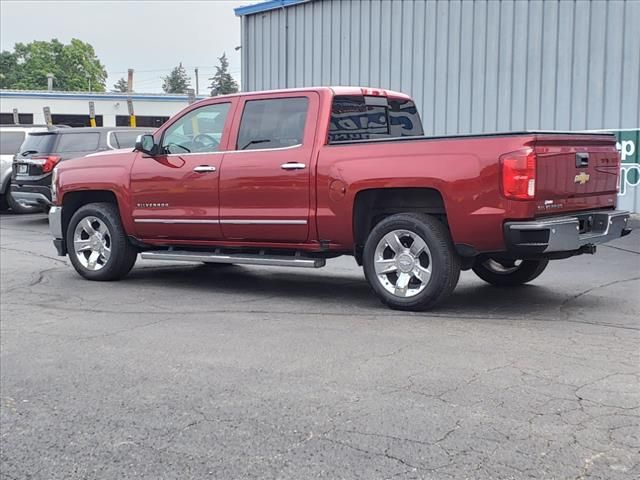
(150, 36)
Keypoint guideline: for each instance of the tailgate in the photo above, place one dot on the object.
(576, 171)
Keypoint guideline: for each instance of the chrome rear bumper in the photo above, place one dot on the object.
(567, 233)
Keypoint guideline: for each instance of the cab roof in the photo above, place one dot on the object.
(333, 90)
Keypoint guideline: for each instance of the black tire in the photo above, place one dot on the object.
(123, 254)
(491, 271)
(19, 208)
(443, 260)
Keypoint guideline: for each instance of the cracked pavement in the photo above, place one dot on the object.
(189, 371)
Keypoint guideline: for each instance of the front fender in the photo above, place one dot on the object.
(99, 178)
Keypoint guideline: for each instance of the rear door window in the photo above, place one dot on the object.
(78, 142)
(10, 142)
(272, 123)
(365, 118)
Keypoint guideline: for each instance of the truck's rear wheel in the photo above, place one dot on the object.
(98, 245)
(509, 273)
(409, 261)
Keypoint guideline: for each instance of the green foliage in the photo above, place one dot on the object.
(222, 83)
(121, 86)
(7, 69)
(177, 81)
(75, 66)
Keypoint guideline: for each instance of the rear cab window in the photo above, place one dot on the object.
(360, 117)
(273, 123)
(10, 142)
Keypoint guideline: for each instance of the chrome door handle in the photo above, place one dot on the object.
(293, 166)
(204, 169)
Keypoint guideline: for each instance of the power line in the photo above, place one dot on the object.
(205, 67)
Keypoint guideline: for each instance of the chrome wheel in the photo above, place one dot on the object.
(402, 263)
(92, 243)
(504, 267)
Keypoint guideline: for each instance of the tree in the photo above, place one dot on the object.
(222, 83)
(74, 66)
(8, 66)
(121, 86)
(177, 81)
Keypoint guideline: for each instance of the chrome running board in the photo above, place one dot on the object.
(238, 258)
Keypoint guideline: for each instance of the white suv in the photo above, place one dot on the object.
(11, 138)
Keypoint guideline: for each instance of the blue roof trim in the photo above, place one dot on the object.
(99, 96)
(265, 6)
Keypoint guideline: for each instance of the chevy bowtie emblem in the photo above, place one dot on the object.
(582, 178)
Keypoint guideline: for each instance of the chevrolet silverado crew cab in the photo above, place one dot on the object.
(294, 177)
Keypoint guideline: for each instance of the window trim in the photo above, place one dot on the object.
(109, 145)
(290, 147)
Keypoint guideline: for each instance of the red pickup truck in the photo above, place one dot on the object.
(293, 177)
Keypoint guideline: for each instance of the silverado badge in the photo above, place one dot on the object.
(582, 178)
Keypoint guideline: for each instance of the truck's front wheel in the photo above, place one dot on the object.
(98, 245)
(410, 262)
(509, 273)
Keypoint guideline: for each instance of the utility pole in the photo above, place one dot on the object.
(132, 115)
(197, 85)
(130, 80)
(49, 82)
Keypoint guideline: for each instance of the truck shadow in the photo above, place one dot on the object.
(312, 290)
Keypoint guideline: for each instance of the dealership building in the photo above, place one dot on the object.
(73, 108)
(472, 66)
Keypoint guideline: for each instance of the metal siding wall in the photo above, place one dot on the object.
(472, 66)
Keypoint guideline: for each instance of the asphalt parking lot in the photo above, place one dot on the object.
(185, 371)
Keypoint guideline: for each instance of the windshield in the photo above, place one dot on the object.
(38, 143)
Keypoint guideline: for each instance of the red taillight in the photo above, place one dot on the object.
(519, 174)
(48, 163)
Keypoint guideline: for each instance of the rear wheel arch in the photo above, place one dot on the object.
(374, 205)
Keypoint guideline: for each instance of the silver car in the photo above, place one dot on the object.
(11, 138)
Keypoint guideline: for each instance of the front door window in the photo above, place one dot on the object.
(199, 131)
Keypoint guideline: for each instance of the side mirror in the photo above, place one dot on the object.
(145, 144)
